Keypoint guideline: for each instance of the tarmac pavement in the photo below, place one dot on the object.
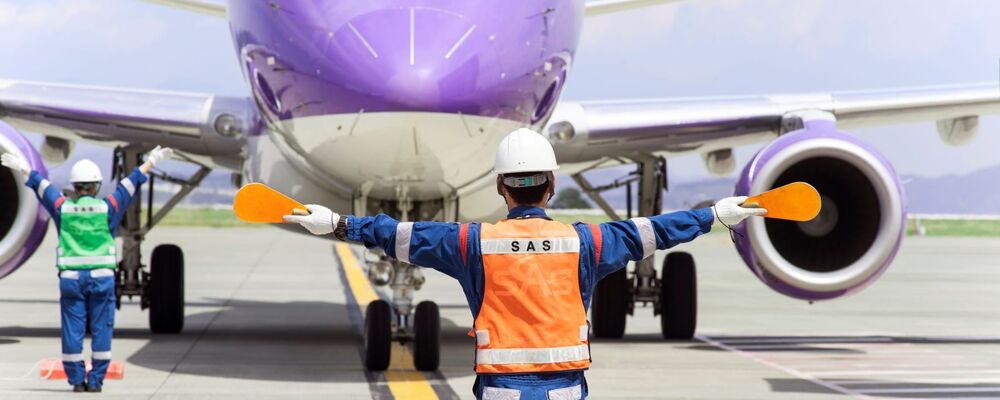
(270, 315)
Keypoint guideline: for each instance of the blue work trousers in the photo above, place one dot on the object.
(87, 296)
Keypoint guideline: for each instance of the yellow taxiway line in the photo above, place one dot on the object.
(404, 382)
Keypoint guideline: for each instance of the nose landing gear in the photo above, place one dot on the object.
(399, 321)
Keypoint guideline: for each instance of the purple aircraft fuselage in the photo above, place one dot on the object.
(398, 106)
(499, 59)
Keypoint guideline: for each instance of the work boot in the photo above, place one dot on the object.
(79, 388)
(94, 389)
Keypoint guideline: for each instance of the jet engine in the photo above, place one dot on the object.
(858, 231)
(23, 221)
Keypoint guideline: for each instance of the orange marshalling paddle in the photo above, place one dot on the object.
(256, 202)
(797, 201)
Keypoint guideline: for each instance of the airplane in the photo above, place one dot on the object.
(396, 107)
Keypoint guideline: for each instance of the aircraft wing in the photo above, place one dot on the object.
(583, 131)
(212, 8)
(593, 7)
(602, 7)
(195, 123)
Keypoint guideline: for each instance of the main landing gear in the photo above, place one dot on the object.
(673, 294)
(161, 288)
(400, 321)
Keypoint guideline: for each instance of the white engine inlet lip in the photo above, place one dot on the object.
(889, 228)
(24, 220)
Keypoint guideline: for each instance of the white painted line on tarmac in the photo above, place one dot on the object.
(881, 372)
(946, 389)
(867, 357)
(798, 374)
(806, 340)
(855, 366)
(830, 346)
(949, 398)
(922, 380)
(868, 352)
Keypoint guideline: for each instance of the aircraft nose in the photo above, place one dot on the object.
(494, 59)
(420, 58)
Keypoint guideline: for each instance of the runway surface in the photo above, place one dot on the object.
(273, 315)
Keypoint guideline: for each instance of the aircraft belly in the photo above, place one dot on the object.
(431, 155)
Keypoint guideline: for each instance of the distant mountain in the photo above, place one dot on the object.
(680, 196)
(974, 193)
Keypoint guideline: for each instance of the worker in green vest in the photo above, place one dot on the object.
(86, 258)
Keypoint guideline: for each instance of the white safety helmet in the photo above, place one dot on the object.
(85, 171)
(524, 150)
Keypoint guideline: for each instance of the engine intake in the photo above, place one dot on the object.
(858, 231)
(23, 221)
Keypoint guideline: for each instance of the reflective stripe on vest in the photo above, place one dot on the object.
(549, 355)
(533, 245)
(85, 240)
(532, 317)
(71, 208)
(85, 260)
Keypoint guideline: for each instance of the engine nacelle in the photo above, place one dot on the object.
(853, 239)
(23, 221)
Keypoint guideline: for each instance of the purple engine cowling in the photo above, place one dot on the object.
(858, 231)
(23, 221)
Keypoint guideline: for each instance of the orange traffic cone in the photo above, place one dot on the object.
(53, 369)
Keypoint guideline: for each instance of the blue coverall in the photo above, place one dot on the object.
(437, 245)
(87, 296)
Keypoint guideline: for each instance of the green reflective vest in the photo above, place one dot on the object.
(85, 240)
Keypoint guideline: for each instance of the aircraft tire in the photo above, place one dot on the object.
(678, 297)
(427, 336)
(378, 335)
(610, 305)
(166, 289)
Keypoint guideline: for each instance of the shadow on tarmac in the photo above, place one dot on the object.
(875, 387)
(826, 344)
(797, 348)
(899, 388)
(276, 341)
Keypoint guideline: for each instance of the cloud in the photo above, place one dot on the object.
(117, 43)
(706, 47)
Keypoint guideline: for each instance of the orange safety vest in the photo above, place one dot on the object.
(532, 317)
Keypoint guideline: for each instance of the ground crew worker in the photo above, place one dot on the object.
(528, 279)
(86, 258)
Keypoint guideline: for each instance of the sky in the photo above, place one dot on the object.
(691, 48)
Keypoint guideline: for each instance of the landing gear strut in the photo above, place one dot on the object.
(161, 289)
(397, 319)
(400, 321)
(674, 294)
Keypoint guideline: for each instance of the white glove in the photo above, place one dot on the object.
(729, 212)
(159, 154)
(16, 163)
(320, 221)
